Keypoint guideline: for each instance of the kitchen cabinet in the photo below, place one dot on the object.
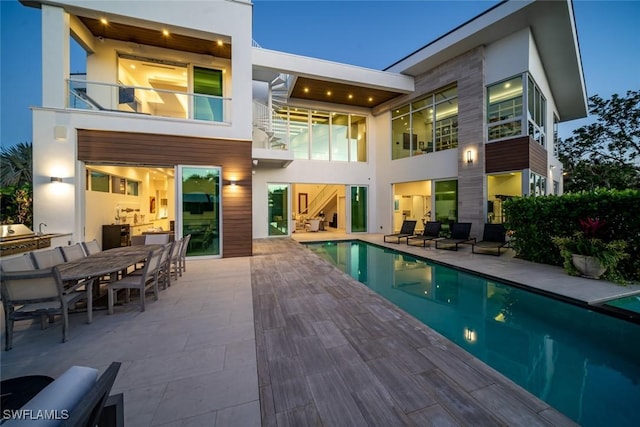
(115, 236)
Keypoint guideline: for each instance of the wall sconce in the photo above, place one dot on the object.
(469, 156)
(56, 179)
(60, 133)
(232, 183)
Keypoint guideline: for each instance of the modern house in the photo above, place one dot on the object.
(183, 122)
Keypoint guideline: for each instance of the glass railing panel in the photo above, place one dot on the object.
(179, 104)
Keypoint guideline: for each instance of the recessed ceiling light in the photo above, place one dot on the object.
(220, 43)
(133, 66)
(328, 93)
(306, 90)
(165, 33)
(350, 96)
(370, 99)
(507, 85)
(104, 21)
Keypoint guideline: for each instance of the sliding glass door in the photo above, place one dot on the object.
(199, 192)
(278, 209)
(358, 209)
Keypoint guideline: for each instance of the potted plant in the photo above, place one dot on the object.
(588, 254)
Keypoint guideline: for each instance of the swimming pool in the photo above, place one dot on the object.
(583, 363)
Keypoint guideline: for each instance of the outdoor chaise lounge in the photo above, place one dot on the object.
(406, 231)
(430, 233)
(493, 237)
(459, 234)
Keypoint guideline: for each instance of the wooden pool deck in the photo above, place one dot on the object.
(331, 352)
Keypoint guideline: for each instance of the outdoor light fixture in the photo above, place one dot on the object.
(469, 157)
(56, 179)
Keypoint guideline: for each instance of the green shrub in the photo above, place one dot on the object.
(535, 221)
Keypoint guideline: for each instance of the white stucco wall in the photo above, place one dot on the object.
(507, 57)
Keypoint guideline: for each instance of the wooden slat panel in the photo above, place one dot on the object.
(234, 157)
(509, 155)
(537, 158)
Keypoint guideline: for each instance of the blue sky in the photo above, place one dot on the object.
(368, 33)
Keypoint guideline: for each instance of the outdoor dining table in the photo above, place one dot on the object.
(86, 271)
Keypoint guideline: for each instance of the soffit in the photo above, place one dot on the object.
(154, 37)
(340, 93)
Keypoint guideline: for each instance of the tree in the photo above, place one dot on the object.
(605, 153)
(16, 195)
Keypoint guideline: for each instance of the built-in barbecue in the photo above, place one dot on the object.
(18, 238)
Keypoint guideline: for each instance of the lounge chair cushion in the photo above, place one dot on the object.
(59, 397)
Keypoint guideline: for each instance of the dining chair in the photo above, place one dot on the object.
(147, 279)
(92, 247)
(183, 253)
(156, 239)
(35, 294)
(174, 262)
(48, 258)
(19, 263)
(73, 252)
(164, 276)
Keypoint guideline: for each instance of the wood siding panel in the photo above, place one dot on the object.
(537, 158)
(510, 155)
(233, 156)
(516, 154)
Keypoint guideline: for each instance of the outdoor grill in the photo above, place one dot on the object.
(18, 238)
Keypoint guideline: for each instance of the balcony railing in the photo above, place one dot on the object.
(87, 95)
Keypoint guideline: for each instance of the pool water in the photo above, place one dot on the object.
(583, 363)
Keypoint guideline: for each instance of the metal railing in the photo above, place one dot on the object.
(88, 95)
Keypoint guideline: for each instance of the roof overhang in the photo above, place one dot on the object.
(326, 81)
(553, 27)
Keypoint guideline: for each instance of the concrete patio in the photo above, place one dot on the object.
(283, 338)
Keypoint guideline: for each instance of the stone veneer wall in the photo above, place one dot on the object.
(468, 71)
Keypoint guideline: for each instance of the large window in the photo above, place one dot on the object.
(323, 135)
(537, 109)
(505, 114)
(537, 185)
(426, 125)
(446, 203)
(278, 211)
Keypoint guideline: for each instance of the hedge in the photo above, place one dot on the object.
(535, 220)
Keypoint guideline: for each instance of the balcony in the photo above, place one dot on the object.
(163, 99)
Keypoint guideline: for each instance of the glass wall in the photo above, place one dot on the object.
(340, 137)
(200, 192)
(358, 209)
(446, 203)
(207, 81)
(426, 125)
(537, 185)
(299, 132)
(322, 135)
(278, 209)
(320, 128)
(501, 187)
(505, 114)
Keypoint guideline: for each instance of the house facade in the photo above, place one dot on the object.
(181, 121)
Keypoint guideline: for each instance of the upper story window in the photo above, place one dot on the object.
(504, 112)
(157, 88)
(322, 135)
(506, 117)
(426, 125)
(536, 112)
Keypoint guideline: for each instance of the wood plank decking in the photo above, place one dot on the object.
(331, 352)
